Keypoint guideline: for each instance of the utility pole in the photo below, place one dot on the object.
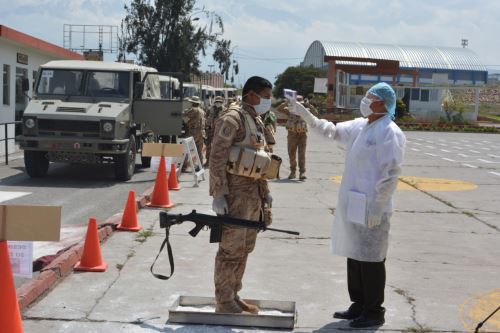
(211, 74)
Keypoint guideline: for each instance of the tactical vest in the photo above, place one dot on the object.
(248, 158)
(296, 124)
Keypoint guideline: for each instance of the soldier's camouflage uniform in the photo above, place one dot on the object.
(297, 138)
(211, 117)
(244, 196)
(270, 122)
(194, 121)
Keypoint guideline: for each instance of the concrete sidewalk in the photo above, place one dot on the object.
(442, 268)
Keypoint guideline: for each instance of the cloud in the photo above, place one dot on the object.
(271, 35)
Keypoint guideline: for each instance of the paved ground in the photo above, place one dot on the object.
(443, 267)
(82, 191)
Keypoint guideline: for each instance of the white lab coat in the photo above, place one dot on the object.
(374, 154)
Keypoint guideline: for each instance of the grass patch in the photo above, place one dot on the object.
(143, 235)
(119, 266)
(418, 329)
(469, 214)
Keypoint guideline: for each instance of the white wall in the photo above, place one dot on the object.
(8, 56)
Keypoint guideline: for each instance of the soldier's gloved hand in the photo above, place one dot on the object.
(269, 200)
(305, 114)
(219, 205)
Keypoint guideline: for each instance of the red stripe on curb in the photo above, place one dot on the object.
(62, 266)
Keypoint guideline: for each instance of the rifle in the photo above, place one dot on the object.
(214, 223)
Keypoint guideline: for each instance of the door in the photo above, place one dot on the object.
(160, 113)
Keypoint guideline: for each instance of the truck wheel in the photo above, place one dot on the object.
(125, 163)
(146, 161)
(36, 163)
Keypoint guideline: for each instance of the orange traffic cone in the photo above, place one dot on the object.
(91, 260)
(160, 197)
(173, 184)
(10, 317)
(129, 218)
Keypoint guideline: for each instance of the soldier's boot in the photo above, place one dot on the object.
(292, 175)
(247, 307)
(229, 307)
(302, 176)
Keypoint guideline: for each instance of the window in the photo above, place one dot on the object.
(424, 95)
(21, 99)
(415, 94)
(109, 84)
(35, 73)
(60, 82)
(6, 85)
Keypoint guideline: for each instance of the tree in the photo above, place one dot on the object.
(454, 108)
(297, 78)
(161, 33)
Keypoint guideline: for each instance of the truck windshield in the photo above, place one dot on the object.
(60, 82)
(107, 84)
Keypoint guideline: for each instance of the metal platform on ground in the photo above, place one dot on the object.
(201, 310)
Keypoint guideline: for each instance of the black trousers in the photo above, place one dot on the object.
(366, 283)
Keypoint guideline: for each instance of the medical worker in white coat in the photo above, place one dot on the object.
(374, 153)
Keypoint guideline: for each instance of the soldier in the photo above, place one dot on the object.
(238, 191)
(297, 139)
(212, 115)
(194, 123)
(270, 123)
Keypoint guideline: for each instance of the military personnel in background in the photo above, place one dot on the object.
(238, 191)
(270, 122)
(211, 117)
(297, 139)
(308, 105)
(194, 123)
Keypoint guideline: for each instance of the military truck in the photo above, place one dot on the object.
(95, 112)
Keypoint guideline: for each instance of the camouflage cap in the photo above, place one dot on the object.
(194, 99)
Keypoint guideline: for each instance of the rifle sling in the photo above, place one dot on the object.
(170, 257)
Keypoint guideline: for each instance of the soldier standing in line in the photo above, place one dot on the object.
(238, 191)
(270, 123)
(297, 139)
(194, 123)
(213, 114)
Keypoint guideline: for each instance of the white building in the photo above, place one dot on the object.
(20, 57)
(421, 75)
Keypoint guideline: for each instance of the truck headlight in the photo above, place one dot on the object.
(107, 127)
(30, 123)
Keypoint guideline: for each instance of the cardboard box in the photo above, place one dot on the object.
(162, 149)
(30, 223)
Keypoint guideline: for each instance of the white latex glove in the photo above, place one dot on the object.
(374, 220)
(269, 200)
(375, 212)
(305, 114)
(325, 127)
(219, 206)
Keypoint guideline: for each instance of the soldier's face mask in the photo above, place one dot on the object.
(218, 104)
(263, 106)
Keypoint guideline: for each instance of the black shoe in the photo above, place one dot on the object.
(350, 313)
(364, 322)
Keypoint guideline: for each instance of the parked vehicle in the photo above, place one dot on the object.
(98, 112)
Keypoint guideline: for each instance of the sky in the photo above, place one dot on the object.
(270, 35)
